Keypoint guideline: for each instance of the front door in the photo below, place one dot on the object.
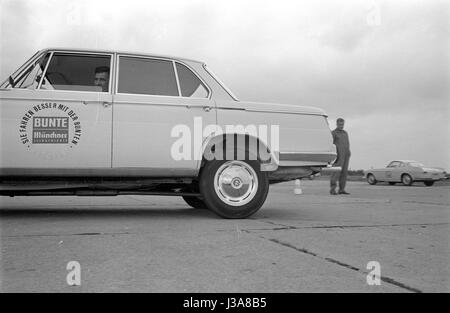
(57, 116)
(397, 172)
(390, 170)
(159, 104)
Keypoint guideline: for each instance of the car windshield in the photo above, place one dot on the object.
(393, 164)
(415, 164)
(30, 76)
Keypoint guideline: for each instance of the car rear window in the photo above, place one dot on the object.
(190, 84)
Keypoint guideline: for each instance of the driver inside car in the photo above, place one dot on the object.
(102, 78)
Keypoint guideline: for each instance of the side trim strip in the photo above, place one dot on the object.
(271, 111)
(324, 157)
(99, 172)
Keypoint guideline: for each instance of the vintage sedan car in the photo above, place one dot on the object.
(406, 172)
(100, 123)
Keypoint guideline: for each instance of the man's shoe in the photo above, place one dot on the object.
(333, 192)
(344, 192)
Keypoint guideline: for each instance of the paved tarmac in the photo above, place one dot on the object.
(312, 242)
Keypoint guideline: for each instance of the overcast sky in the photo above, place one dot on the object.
(381, 65)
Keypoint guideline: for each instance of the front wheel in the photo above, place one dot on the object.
(371, 179)
(233, 189)
(407, 180)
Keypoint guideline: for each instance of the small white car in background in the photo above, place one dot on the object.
(406, 172)
(107, 123)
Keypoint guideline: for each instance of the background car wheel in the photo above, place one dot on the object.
(407, 180)
(233, 189)
(391, 183)
(429, 183)
(195, 202)
(371, 179)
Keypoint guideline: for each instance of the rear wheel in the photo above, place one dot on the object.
(371, 179)
(195, 202)
(233, 189)
(407, 180)
(428, 183)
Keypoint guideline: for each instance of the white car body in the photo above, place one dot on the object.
(407, 172)
(126, 135)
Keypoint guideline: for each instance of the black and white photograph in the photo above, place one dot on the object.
(222, 155)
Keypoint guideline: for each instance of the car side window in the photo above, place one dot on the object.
(30, 78)
(190, 84)
(393, 164)
(78, 72)
(147, 76)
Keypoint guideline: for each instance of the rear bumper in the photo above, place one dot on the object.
(430, 179)
(290, 173)
(307, 158)
(294, 165)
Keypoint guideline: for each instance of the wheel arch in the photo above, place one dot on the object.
(406, 173)
(241, 143)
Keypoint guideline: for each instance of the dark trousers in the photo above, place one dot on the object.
(340, 175)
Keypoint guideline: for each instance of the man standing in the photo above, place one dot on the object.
(340, 139)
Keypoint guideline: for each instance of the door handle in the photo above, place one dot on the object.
(205, 108)
(104, 103)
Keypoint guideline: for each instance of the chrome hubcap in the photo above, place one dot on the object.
(236, 183)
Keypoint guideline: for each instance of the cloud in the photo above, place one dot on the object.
(379, 138)
(372, 62)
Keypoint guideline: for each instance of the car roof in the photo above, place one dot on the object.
(121, 52)
(404, 161)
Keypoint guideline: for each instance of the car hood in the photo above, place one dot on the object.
(281, 108)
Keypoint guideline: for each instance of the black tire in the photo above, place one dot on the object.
(392, 183)
(219, 206)
(371, 179)
(407, 180)
(195, 202)
(428, 183)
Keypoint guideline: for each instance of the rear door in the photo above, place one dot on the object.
(55, 119)
(158, 105)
